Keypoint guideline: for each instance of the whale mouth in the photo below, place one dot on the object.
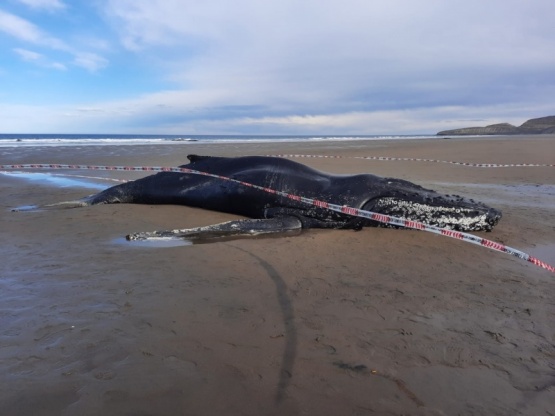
(460, 214)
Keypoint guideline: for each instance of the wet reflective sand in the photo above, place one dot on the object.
(326, 322)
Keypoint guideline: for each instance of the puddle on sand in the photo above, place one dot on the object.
(544, 252)
(26, 208)
(63, 181)
(529, 195)
(154, 242)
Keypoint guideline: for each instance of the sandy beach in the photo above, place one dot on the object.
(328, 322)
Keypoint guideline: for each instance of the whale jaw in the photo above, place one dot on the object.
(444, 212)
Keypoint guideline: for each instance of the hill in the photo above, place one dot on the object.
(542, 125)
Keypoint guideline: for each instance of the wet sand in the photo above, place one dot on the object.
(328, 322)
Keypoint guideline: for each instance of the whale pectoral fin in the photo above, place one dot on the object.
(237, 228)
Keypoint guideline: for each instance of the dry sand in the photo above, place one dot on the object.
(329, 322)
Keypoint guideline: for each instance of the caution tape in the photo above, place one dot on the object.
(384, 219)
(412, 159)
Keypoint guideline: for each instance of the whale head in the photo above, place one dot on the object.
(403, 199)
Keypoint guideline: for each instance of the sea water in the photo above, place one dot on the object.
(32, 140)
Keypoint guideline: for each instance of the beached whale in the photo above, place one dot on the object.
(269, 213)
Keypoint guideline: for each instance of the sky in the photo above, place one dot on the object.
(310, 67)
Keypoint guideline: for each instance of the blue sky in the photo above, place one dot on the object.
(273, 66)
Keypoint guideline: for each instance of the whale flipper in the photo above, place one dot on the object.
(236, 228)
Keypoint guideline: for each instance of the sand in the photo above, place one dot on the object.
(328, 322)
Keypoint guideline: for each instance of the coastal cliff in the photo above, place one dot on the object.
(542, 125)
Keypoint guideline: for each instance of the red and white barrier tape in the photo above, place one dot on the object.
(411, 159)
(385, 219)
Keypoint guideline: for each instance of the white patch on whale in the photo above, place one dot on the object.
(440, 216)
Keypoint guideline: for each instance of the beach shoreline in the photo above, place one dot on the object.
(328, 322)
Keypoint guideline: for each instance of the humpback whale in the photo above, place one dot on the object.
(268, 212)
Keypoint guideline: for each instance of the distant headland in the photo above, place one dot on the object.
(542, 125)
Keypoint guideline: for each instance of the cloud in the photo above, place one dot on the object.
(28, 55)
(164, 112)
(26, 31)
(49, 5)
(353, 55)
(38, 59)
(90, 61)
(387, 31)
(424, 120)
(316, 66)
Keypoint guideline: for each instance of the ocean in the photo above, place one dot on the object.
(32, 140)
